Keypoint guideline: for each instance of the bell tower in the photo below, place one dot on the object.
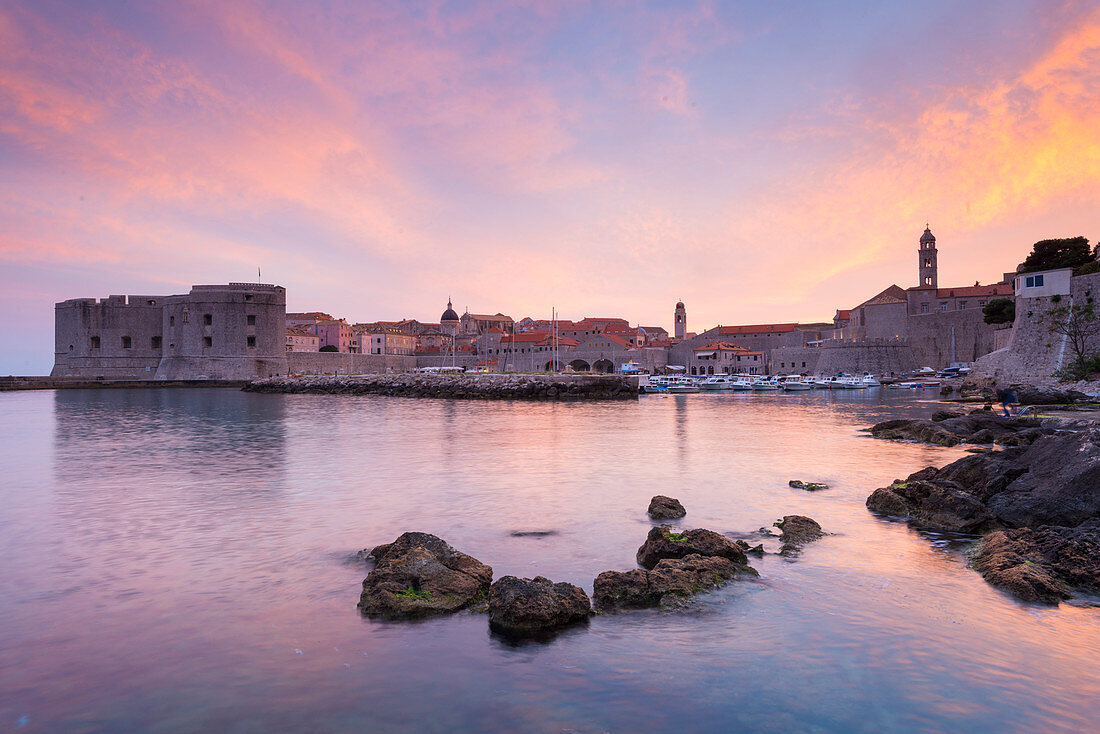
(680, 321)
(927, 260)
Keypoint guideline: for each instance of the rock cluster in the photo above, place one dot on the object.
(662, 542)
(669, 582)
(463, 386)
(950, 429)
(1041, 504)
(665, 508)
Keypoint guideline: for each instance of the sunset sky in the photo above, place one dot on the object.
(761, 161)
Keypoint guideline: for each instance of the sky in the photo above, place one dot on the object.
(764, 162)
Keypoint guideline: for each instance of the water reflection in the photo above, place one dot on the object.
(176, 559)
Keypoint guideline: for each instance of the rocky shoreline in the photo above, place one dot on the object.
(420, 575)
(456, 387)
(1036, 502)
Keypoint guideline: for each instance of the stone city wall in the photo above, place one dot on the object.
(881, 357)
(1033, 353)
(794, 360)
(946, 337)
(343, 363)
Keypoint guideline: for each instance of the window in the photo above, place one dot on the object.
(1033, 281)
(248, 296)
(251, 341)
(207, 341)
(95, 342)
(981, 304)
(803, 364)
(207, 319)
(155, 342)
(924, 308)
(928, 280)
(962, 305)
(927, 262)
(943, 306)
(152, 303)
(251, 320)
(126, 342)
(171, 320)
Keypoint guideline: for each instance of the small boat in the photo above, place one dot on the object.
(656, 384)
(716, 382)
(741, 384)
(870, 380)
(793, 383)
(906, 386)
(770, 383)
(682, 387)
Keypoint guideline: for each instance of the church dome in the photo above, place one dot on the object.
(449, 314)
(679, 304)
(927, 238)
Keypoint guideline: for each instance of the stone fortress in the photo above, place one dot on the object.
(215, 332)
(240, 331)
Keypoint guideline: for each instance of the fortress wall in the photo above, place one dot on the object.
(116, 337)
(885, 357)
(793, 360)
(942, 338)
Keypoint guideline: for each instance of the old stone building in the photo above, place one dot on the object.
(226, 332)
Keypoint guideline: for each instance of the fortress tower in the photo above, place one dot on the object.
(927, 260)
(680, 321)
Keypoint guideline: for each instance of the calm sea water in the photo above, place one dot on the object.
(179, 560)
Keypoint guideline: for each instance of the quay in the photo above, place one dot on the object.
(478, 386)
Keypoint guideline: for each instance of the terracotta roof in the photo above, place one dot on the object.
(494, 330)
(893, 294)
(758, 329)
(299, 331)
(843, 313)
(488, 317)
(526, 336)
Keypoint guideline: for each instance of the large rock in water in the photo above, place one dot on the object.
(523, 607)
(665, 508)
(418, 575)
(671, 581)
(796, 531)
(1055, 481)
(1042, 564)
(662, 543)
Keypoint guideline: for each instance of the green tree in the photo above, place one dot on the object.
(1079, 324)
(1000, 311)
(1070, 252)
(328, 348)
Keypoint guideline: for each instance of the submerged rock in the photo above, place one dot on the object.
(418, 575)
(670, 582)
(1042, 564)
(978, 427)
(663, 543)
(665, 508)
(809, 486)
(523, 607)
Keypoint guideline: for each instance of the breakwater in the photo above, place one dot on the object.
(464, 386)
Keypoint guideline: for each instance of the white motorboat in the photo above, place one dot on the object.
(716, 382)
(870, 380)
(741, 384)
(793, 383)
(770, 383)
(681, 385)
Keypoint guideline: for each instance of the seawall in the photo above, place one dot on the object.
(460, 387)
